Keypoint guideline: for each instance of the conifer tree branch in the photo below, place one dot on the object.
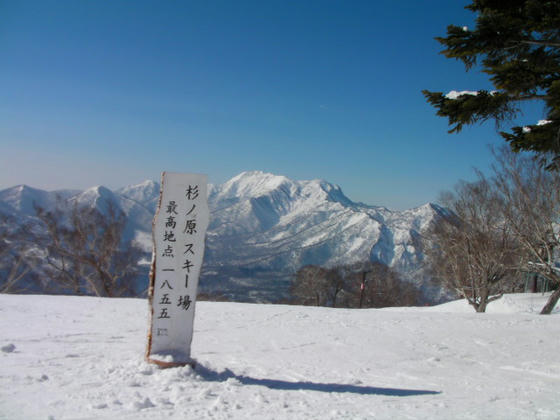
(542, 43)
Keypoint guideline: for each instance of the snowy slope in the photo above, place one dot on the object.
(82, 358)
(20, 200)
(264, 227)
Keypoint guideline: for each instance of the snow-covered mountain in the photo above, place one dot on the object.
(20, 200)
(264, 227)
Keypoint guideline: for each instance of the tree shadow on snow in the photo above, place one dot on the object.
(211, 375)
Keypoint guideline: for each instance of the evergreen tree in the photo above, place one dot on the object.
(517, 43)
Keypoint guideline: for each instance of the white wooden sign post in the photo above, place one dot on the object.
(179, 229)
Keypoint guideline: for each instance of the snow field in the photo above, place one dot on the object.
(82, 358)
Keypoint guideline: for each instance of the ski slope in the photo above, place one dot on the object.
(68, 357)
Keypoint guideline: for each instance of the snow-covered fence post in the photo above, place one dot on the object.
(179, 229)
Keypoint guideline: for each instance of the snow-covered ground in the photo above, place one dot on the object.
(82, 358)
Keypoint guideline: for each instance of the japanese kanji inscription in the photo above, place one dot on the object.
(179, 229)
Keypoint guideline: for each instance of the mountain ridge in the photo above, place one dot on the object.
(264, 227)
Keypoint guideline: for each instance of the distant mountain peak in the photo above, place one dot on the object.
(147, 184)
(146, 193)
(23, 189)
(264, 227)
(252, 183)
(98, 190)
(99, 197)
(23, 198)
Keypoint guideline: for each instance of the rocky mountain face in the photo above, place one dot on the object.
(264, 227)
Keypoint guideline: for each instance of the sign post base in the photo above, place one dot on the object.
(166, 365)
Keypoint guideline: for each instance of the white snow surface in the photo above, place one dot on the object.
(69, 357)
(540, 122)
(455, 94)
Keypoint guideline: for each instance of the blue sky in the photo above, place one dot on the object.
(115, 92)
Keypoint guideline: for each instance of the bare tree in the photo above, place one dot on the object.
(308, 287)
(472, 250)
(335, 283)
(16, 257)
(341, 286)
(85, 250)
(376, 285)
(314, 285)
(385, 288)
(532, 211)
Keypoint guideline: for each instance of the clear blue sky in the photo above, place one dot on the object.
(114, 92)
